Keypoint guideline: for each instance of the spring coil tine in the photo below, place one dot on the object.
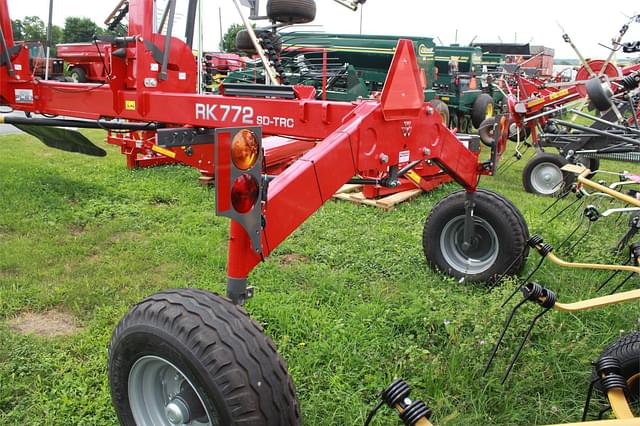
(579, 207)
(396, 392)
(532, 291)
(500, 277)
(579, 240)
(534, 240)
(558, 199)
(524, 340)
(572, 233)
(519, 288)
(585, 411)
(564, 210)
(415, 412)
(603, 411)
(504, 331)
(612, 276)
(615, 290)
(608, 365)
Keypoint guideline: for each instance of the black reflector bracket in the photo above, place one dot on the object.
(63, 139)
(240, 188)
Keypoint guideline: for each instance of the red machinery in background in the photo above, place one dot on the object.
(200, 340)
(85, 61)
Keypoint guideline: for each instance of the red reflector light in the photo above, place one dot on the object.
(244, 193)
(244, 149)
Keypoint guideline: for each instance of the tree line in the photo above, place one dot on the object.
(75, 30)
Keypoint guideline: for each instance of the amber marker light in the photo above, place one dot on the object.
(244, 149)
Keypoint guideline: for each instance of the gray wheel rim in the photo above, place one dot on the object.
(155, 387)
(484, 250)
(546, 178)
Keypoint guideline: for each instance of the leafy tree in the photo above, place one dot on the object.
(57, 35)
(18, 29)
(228, 42)
(77, 30)
(33, 29)
(121, 30)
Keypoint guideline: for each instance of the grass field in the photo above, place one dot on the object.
(348, 299)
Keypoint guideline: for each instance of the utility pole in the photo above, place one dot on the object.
(49, 40)
(361, 13)
(220, 19)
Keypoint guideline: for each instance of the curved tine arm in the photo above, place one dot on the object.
(598, 302)
(616, 422)
(583, 172)
(603, 267)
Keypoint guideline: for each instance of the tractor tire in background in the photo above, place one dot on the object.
(627, 351)
(518, 134)
(78, 75)
(192, 357)
(291, 11)
(442, 109)
(499, 245)
(592, 164)
(543, 174)
(481, 110)
(599, 94)
(454, 121)
(244, 43)
(486, 131)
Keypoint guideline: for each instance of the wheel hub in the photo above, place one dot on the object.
(475, 257)
(546, 178)
(177, 412)
(161, 395)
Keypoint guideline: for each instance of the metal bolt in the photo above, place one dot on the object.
(429, 110)
(384, 158)
(426, 152)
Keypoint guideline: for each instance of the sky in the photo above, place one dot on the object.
(587, 23)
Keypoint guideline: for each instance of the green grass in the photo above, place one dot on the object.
(358, 308)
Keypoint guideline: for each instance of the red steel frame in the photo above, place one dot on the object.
(522, 111)
(362, 138)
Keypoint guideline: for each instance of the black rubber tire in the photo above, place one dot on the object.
(540, 158)
(442, 109)
(465, 124)
(291, 11)
(524, 132)
(220, 349)
(627, 351)
(592, 164)
(454, 121)
(597, 94)
(505, 219)
(479, 109)
(268, 39)
(486, 131)
(78, 75)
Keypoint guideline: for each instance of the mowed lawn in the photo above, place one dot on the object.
(348, 299)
